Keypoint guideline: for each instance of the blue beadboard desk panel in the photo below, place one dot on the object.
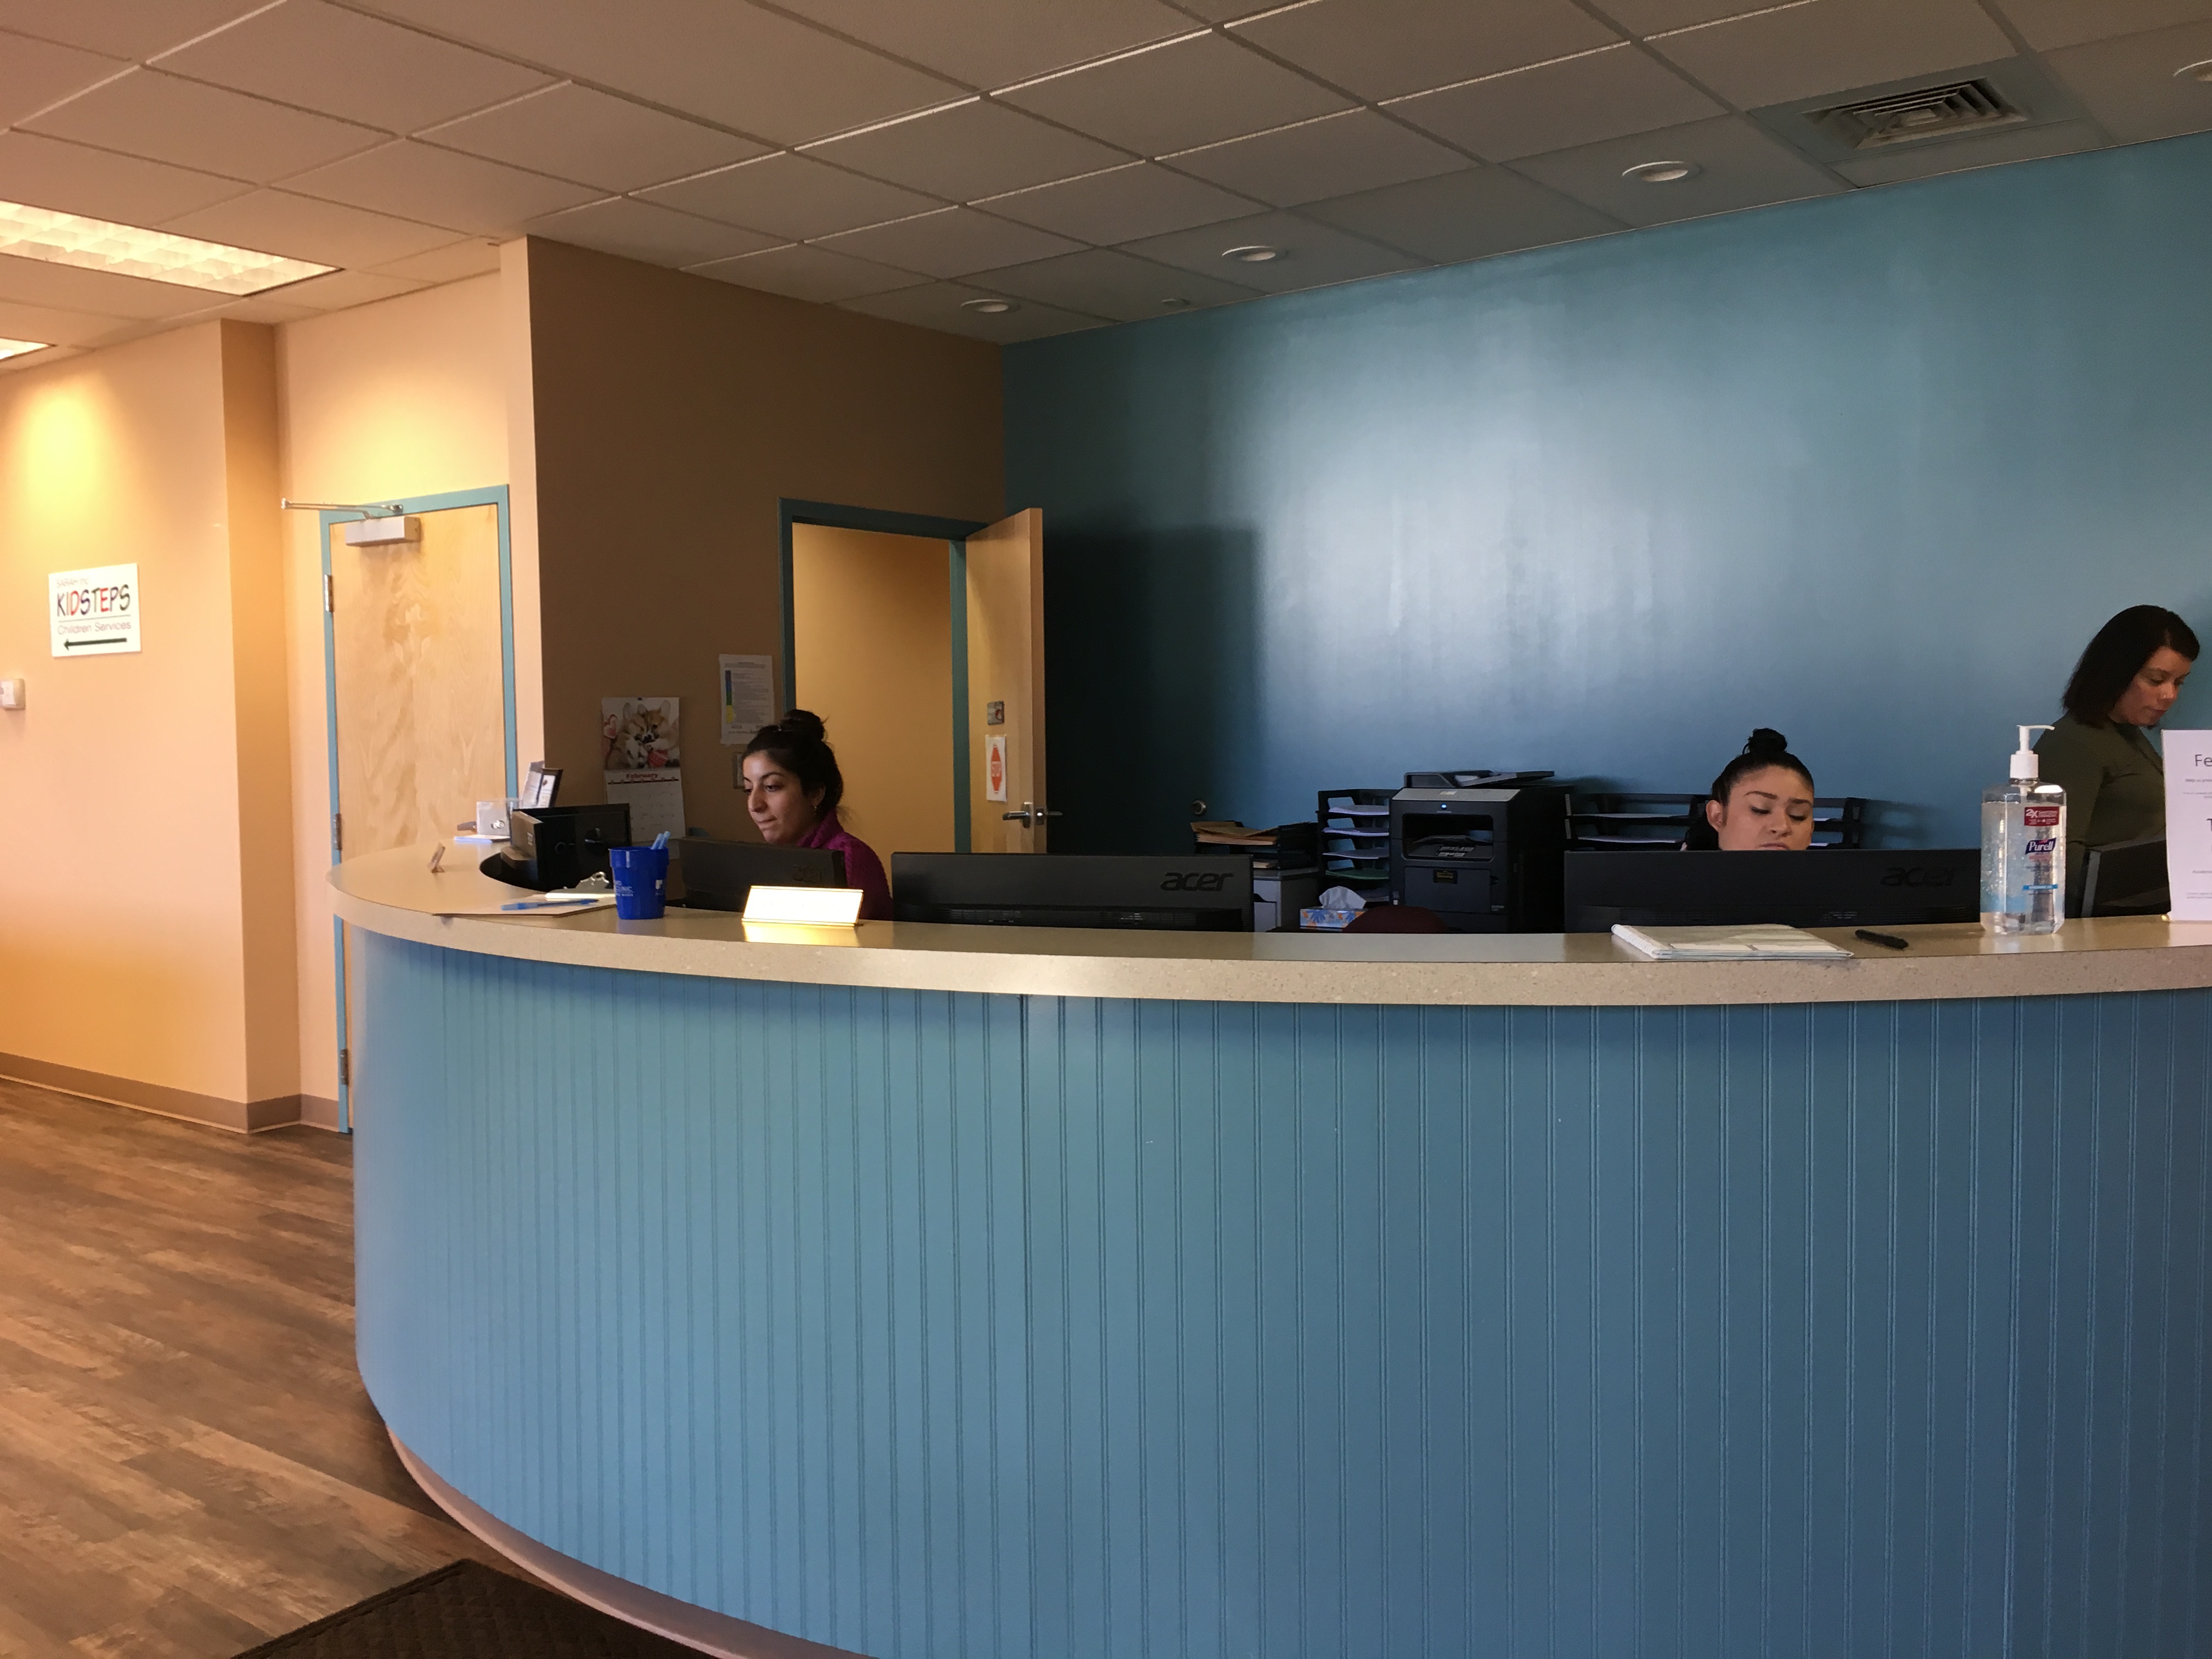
(932, 1323)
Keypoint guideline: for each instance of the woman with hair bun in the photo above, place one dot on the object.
(793, 787)
(1762, 802)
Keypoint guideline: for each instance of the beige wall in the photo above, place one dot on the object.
(403, 398)
(874, 649)
(670, 413)
(145, 944)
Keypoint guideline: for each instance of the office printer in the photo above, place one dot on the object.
(1483, 849)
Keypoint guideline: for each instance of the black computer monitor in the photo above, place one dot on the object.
(1826, 887)
(557, 847)
(716, 875)
(1209, 894)
(2127, 879)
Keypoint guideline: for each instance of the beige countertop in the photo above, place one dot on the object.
(396, 893)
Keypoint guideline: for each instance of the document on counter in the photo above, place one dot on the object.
(1763, 942)
(2189, 825)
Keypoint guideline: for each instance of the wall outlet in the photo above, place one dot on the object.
(12, 693)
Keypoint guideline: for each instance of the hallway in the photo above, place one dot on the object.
(188, 1463)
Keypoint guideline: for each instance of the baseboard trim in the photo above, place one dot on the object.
(700, 1628)
(243, 1116)
(318, 1113)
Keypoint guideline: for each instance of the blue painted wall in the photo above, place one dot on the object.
(1868, 468)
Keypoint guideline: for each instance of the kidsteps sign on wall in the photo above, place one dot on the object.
(94, 613)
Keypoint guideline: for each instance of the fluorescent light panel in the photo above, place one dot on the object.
(17, 348)
(67, 238)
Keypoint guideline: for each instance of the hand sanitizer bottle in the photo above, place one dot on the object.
(2023, 847)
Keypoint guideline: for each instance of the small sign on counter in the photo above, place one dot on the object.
(2189, 825)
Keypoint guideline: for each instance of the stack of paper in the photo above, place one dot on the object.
(1764, 941)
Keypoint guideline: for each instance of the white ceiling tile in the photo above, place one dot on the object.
(949, 242)
(1313, 254)
(1925, 160)
(121, 28)
(790, 196)
(1464, 215)
(452, 263)
(1578, 100)
(2045, 24)
(733, 64)
(307, 227)
(2130, 86)
(342, 288)
(362, 69)
(1228, 11)
(256, 310)
(809, 273)
(1140, 199)
(26, 322)
(592, 138)
(101, 184)
(1641, 17)
(36, 73)
(1740, 166)
(974, 149)
(1103, 281)
(145, 113)
(31, 360)
(1385, 48)
(1833, 46)
(1332, 157)
(655, 235)
(465, 192)
(993, 43)
(68, 287)
(1177, 97)
(938, 306)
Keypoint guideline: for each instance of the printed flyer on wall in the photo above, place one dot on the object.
(641, 750)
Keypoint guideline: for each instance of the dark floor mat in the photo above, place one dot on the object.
(468, 1611)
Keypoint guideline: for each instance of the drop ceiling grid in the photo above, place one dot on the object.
(1235, 98)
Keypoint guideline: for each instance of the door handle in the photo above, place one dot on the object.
(1029, 817)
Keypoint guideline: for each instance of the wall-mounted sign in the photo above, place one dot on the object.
(94, 613)
(994, 768)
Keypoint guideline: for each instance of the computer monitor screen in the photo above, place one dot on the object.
(2126, 880)
(1208, 894)
(716, 875)
(1826, 887)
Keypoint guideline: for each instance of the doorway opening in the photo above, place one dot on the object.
(919, 642)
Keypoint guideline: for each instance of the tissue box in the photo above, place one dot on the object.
(1325, 921)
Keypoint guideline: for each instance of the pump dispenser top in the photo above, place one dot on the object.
(2026, 766)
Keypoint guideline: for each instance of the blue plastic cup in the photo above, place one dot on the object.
(640, 876)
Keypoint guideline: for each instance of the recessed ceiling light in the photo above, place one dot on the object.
(990, 307)
(17, 348)
(66, 239)
(2196, 72)
(1255, 253)
(1662, 172)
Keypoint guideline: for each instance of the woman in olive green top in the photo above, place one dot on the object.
(2100, 752)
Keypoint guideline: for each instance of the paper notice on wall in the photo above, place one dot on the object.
(748, 696)
(994, 768)
(641, 752)
(94, 613)
(2188, 824)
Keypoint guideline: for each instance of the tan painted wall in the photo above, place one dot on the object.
(403, 398)
(143, 932)
(671, 413)
(873, 647)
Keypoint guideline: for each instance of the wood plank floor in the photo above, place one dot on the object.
(188, 1463)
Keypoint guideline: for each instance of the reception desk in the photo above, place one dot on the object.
(978, 1293)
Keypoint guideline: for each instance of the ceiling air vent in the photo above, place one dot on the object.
(1905, 117)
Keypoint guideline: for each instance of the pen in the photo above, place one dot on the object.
(1890, 940)
(550, 904)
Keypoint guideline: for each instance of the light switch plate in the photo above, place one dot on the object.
(12, 693)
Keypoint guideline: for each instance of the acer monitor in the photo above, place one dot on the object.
(1825, 887)
(717, 875)
(1212, 893)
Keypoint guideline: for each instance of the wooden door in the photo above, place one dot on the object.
(1005, 678)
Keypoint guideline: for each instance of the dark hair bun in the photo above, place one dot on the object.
(1766, 741)
(803, 724)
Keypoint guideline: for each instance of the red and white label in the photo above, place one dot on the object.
(2040, 817)
(994, 769)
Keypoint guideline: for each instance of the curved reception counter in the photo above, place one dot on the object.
(976, 1293)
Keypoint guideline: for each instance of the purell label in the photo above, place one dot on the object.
(2040, 817)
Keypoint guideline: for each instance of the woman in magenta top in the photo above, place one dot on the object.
(793, 787)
